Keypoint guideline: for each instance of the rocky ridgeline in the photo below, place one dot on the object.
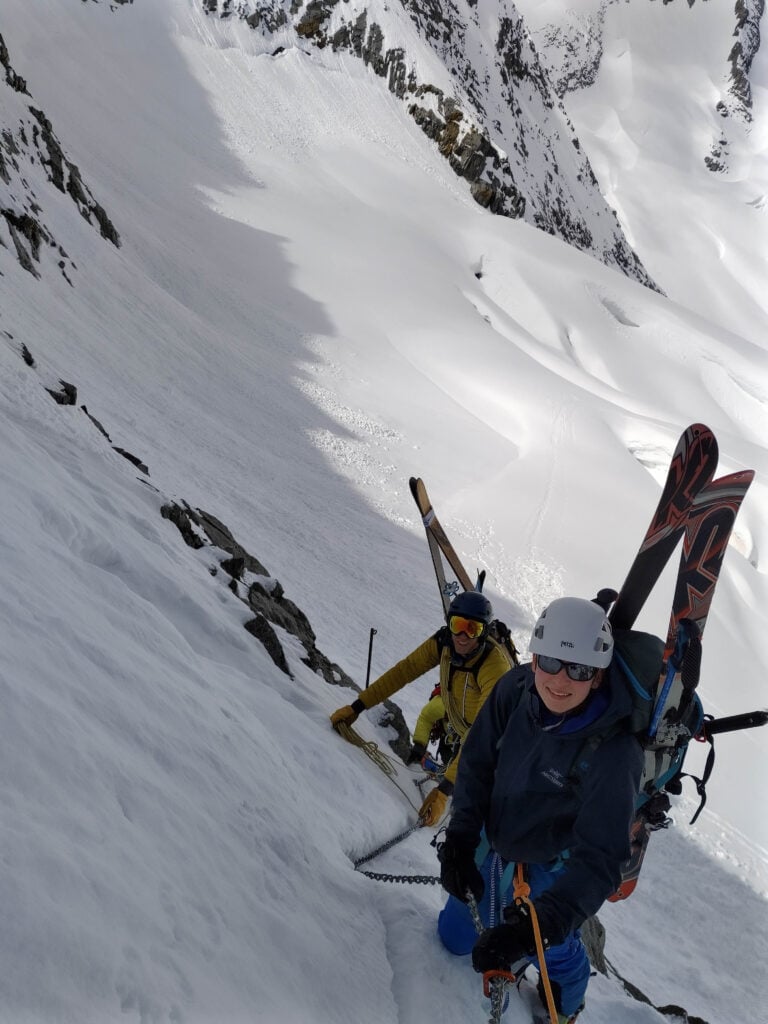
(272, 611)
(32, 161)
(744, 50)
(228, 562)
(493, 113)
(572, 50)
(738, 105)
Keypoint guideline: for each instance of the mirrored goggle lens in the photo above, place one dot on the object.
(578, 673)
(458, 624)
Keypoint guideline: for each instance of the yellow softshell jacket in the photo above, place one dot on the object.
(429, 716)
(463, 691)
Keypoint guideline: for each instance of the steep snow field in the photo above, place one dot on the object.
(307, 309)
(649, 122)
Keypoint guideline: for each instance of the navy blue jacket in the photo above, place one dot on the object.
(516, 780)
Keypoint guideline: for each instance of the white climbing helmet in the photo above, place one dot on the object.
(574, 629)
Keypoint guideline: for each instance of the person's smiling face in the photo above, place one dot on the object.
(558, 692)
(466, 634)
(464, 645)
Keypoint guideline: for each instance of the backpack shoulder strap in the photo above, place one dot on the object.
(583, 757)
(499, 631)
(639, 657)
(474, 669)
(443, 638)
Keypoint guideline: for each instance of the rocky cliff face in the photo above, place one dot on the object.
(572, 49)
(469, 75)
(738, 106)
(272, 619)
(32, 164)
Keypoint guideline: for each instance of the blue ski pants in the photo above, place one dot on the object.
(567, 963)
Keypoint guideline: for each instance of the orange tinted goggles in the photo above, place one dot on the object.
(458, 624)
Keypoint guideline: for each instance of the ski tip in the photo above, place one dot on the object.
(702, 438)
(413, 483)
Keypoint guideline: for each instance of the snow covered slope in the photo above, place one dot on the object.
(669, 102)
(306, 307)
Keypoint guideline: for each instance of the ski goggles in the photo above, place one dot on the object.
(458, 624)
(575, 671)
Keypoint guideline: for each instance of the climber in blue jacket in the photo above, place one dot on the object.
(517, 801)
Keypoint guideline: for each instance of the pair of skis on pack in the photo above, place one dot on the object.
(700, 510)
(691, 503)
(439, 547)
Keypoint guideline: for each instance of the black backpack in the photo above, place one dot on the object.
(664, 733)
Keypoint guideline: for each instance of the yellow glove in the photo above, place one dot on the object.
(343, 716)
(433, 807)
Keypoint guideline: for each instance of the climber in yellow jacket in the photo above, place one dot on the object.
(471, 662)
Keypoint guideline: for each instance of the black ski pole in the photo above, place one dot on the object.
(748, 720)
(370, 652)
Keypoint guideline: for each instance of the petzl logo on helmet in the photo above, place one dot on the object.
(566, 643)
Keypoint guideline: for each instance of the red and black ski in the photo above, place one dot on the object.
(705, 540)
(693, 465)
(706, 532)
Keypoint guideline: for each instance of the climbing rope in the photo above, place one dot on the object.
(387, 765)
(386, 762)
(495, 983)
(369, 748)
(522, 894)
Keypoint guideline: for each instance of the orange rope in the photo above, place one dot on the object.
(522, 894)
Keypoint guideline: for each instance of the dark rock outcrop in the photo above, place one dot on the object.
(747, 32)
(29, 146)
(573, 50)
(66, 395)
(273, 612)
(248, 579)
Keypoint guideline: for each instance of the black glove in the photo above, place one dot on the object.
(500, 947)
(458, 871)
(415, 754)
